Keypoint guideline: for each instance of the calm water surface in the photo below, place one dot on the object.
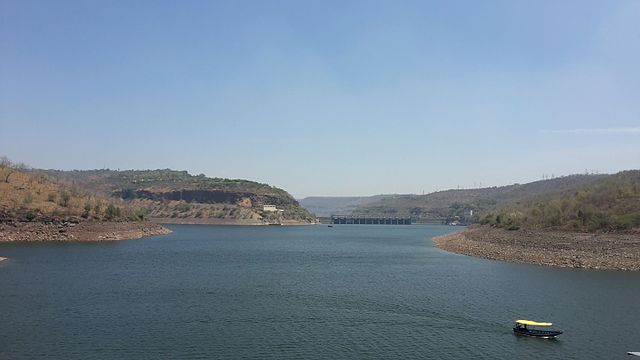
(309, 292)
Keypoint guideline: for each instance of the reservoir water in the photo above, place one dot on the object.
(312, 292)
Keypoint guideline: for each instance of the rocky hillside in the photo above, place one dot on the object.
(446, 205)
(33, 197)
(183, 197)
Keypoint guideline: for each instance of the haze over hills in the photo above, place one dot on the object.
(451, 205)
(445, 205)
(336, 205)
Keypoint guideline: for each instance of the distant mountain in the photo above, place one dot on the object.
(446, 205)
(182, 197)
(337, 205)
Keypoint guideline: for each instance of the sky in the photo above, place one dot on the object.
(324, 98)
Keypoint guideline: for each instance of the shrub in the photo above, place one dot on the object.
(98, 208)
(183, 206)
(140, 214)
(64, 199)
(51, 197)
(112, 212)
(87, 210)
(626, 221)
(31, 214)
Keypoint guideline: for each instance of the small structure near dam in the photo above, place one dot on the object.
(368, 220)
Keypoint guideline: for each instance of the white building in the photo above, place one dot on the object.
(269, 208)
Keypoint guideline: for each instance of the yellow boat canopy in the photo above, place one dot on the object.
(533, 323)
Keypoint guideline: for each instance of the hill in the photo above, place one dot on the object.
(444, 206)
(28, 196)
(585, 224)
(177, 196)
(337, 205)
(34, 207)
(610, 203)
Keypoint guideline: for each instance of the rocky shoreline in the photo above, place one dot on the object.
(552, 248)
(78, 231)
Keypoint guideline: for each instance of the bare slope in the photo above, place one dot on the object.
(28, 196)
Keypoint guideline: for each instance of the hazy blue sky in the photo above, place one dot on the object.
(324, 97)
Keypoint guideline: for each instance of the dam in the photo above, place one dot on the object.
(369, 220)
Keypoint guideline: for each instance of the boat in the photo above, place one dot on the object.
(634, 353)
(522, 328)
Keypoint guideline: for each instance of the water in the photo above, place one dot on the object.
(379, 292)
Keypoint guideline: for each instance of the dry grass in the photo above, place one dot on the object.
(22, 192)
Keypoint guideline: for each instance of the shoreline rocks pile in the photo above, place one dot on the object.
(610, 251)
(78, 231)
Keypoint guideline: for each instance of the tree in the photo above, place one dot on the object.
(98, 208)
(11, 167)
(87, 210)
(5, 162)
(112, 212)
(64, 199)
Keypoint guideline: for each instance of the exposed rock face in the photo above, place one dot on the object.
(207, 197)
(245, 202)
(82, 231)
(553, 248)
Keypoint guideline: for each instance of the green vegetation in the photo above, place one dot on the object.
(87, 210)
(64, 199)
(141, 214)
(112, 212)
(609, 204)
(31, 214)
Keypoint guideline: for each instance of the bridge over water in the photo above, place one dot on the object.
(363, 220)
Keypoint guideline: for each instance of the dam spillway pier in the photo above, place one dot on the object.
(369, 220)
